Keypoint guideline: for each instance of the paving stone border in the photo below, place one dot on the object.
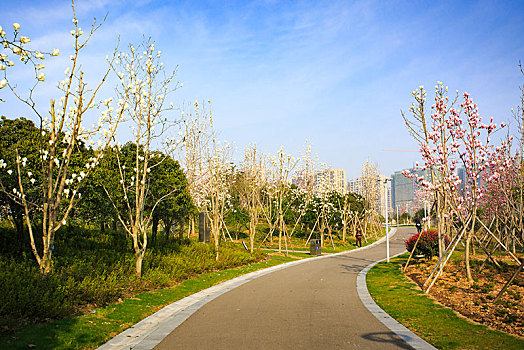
(408, 336)
(149, 332)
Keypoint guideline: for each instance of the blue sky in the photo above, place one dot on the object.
(336, 73)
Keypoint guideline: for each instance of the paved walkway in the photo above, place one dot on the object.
(308, 305)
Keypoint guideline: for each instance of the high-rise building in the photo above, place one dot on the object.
(355, 186)
(333, 179)
(358, 186)
(403, 190)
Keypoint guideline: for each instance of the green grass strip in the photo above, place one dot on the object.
(436, 324)
(93, 329)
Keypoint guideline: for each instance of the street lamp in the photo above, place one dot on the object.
(387, 224)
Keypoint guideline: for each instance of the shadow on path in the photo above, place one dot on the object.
(387, 338)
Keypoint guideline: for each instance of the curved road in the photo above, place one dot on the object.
(307, 306)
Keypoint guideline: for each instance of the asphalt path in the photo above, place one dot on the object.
(308, 306)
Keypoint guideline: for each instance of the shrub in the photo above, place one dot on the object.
(427, 245)
(93, 268)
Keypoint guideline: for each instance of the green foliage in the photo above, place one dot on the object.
(96, 268)
(17, 135)
(435, 323)
(90, 330)
(405, 218)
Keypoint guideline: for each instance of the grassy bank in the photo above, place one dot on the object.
(438, 325)
(93, 328)
(93, 269)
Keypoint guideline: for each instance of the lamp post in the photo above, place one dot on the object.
(387, 224)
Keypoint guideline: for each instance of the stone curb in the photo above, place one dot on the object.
(149, 332)
(408, 336)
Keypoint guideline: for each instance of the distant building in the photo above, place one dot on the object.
(334, 179)
(403, 190)
(357, 186)
(461, 173)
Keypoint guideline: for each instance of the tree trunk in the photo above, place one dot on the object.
(139, 259)
(18, 220)
(467, 250)
(154, 229)
(167, 226)
(181, 231)
(251, 235)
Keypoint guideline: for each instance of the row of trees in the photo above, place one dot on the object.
(60, 170)
(485, 212)
(259, 190)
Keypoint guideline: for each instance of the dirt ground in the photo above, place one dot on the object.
(475, 300)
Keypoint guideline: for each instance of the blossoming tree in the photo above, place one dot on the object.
(61, 132)
(454, 134)
(142, 93)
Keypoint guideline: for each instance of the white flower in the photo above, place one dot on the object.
(3, 83)
(10, 171)
(32, 180)
(41, 77)
(63, 222)
(39, 55)
(29, 174)
(56, 52)
(2, 67)
(16, 26)
(24, 39)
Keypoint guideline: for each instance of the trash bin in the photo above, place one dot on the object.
(314, 248)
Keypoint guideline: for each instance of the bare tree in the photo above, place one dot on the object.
(369, 188)
(208, 168)
(253, 174)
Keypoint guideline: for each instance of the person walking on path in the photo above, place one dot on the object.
(418, 225)
(358, 238)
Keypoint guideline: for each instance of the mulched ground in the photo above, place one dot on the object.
(475, 300)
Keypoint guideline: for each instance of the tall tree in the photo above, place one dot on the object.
(61, 134)
(143, 88)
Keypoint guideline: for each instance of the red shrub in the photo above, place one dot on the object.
(427, 245)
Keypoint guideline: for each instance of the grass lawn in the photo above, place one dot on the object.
(436, 324)
(91, 330)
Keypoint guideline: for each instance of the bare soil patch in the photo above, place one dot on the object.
(475, 300)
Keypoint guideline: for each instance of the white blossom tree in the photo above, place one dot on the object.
(61, 133)
(143, 90)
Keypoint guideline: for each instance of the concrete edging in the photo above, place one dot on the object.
(408, 336)
(149, 332)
